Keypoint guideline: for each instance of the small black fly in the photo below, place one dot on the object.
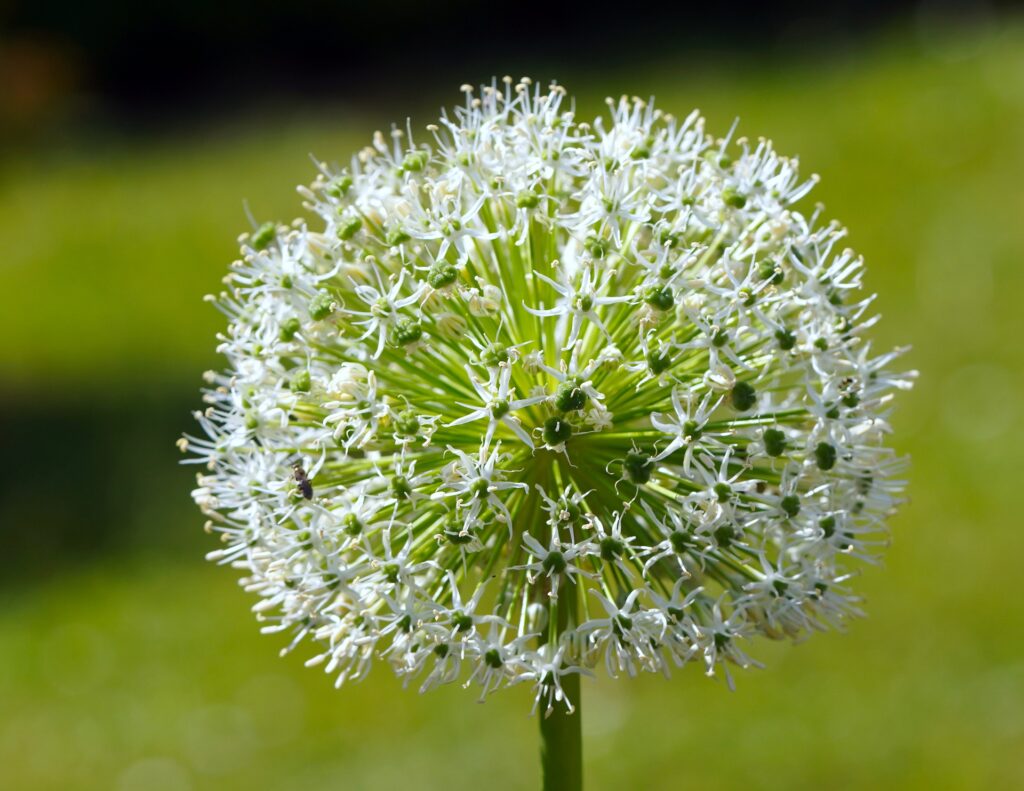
(303, 481)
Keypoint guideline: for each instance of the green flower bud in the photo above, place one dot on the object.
(407, 331)
(611, 548)
(724, 535)
(415, 161)
(401, 488)
(638, 467)
(527, 200)
(659, 297)
(774, 442)
(767, 270)
(351, 525)
(263, 236)
(289, 328)
(658, 362)
(494, 354)
(396, 236)
(407, 424)
(493, 659)
(569, 396)
(321, 306)
(556, 431)
(733, 198)
(825, 456)
(554, 562)
(458, 537)
(598, 248)
(743, 396)
(340, 187)
(786, 339)
(349, 227)
(441, 275)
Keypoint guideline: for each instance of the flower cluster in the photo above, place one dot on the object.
(534, 395)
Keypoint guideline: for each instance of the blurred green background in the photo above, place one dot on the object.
(126, 662)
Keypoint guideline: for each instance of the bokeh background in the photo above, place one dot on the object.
(129, 138)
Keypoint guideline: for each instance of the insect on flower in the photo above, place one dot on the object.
(305, 487)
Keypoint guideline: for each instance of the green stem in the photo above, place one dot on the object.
(561, 742)
(561, 745)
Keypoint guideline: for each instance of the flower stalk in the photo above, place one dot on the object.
(561, 747)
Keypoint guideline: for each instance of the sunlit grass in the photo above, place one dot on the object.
(146, 674)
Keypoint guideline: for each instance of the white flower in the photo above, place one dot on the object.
(686, 428)
(499, 407)
(479, 481)
(557, 561)
(384, 308)
(540, 395)
(578, 302)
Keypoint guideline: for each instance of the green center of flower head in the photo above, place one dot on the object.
(540, 392)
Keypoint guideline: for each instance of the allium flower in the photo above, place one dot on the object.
(530, 396)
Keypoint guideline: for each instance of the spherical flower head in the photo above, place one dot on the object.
(531, 396)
